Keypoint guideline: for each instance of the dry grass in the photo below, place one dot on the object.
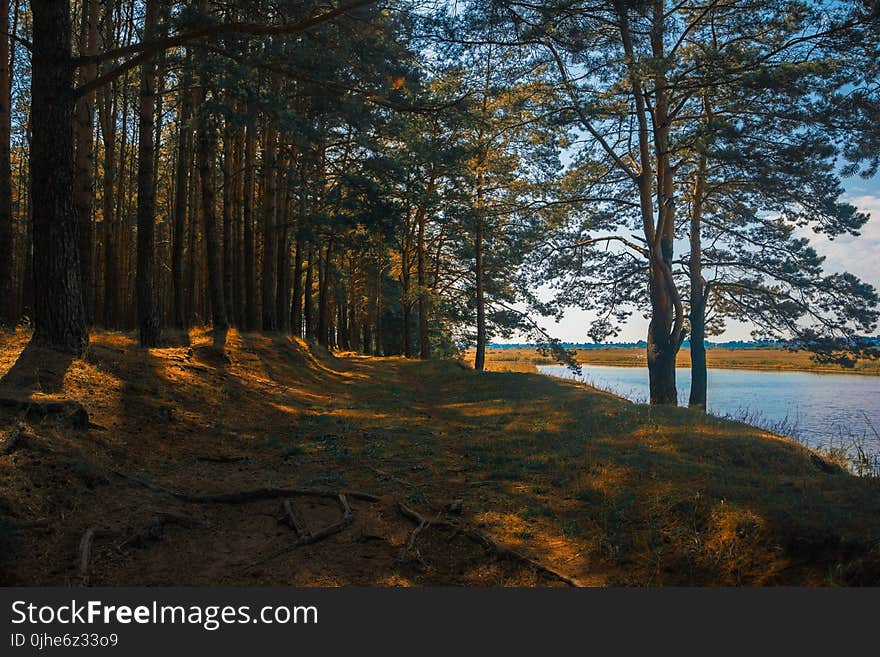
(526, 360)
(593, 486)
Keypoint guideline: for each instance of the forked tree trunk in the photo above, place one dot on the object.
(59, 316)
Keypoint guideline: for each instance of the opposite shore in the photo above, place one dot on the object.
(525, 359)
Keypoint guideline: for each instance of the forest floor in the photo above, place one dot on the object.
(272, 463)
(523, 359)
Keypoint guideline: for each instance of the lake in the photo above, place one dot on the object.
(820, 410)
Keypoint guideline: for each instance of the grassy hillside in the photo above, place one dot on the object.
(460, 478)
(525, 360)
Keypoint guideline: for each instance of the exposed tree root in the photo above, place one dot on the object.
(346, 519)
(294, 520)
(245, 496)
(240, 497)
(502, 551)
(85, 552)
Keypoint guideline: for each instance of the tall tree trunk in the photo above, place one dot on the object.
(479, 273)
(424, 342)
(147, 292)
(308, 304)
(207, 143)
(8, 314)
(699, 375)
(59, 315)
(324, 270)
(270, 237)
(405, 302)
(237, 226)
(282, 292)
(107, 115)
(184, 145)
(228, 203)
(84, 192)
(250, 264)
(296, 301)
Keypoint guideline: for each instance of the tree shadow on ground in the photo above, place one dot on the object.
(37, 369)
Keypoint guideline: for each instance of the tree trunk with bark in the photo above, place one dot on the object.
(8, 313)
(250, 264)
(59, 316)
(699, 292)
(479, 273)
(270, 238)
(181, 186)
(84, 144)
(147, 293)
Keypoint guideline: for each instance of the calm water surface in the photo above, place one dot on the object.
(821, 410)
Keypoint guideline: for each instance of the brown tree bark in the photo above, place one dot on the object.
(699, 292)
(59, 315)
(283, 277)
(270, 238)
(250, 264)
(422, 276)
(84, 192)
(308, 302)
(206, 145)
(479, 273)
(8, 312)
(228, 205)
(149, 328)
(184, 149)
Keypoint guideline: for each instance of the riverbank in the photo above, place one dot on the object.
(527, 360)
(272, 463)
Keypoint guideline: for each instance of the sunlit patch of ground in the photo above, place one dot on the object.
(579, 480)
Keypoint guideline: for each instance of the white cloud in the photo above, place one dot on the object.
(857, 255)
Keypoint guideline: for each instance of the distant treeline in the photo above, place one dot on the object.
(641, 344)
